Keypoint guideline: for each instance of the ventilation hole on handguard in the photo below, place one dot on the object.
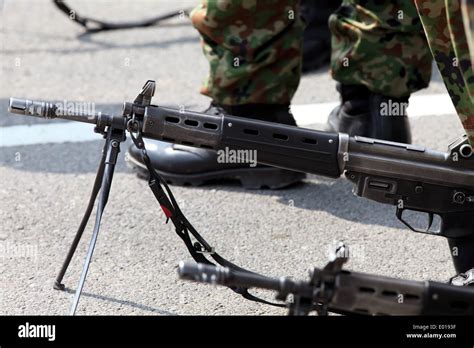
(172, 119)
(367, 290)
(389, 293)
(411, 297)
(192, 123)
(210, 125)
(309, 141)
(280, 136)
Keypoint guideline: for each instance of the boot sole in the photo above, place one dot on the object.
(251, 178)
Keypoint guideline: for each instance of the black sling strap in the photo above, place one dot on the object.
(94, 25)
(184, 229)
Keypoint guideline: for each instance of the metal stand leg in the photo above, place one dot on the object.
(114, 137)
(85, 219)
(102, 184)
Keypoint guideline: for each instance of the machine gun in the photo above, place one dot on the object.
(333, 289)
(407, 176)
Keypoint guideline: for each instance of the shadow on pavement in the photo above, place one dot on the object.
(101, 45)
(332, 196)
(122, 302)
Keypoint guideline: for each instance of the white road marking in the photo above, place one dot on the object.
(47, 133)
(420, 106)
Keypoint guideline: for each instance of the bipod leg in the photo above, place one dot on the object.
(85, 219)
(114, 137)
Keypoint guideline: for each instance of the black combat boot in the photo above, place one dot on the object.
(185, 165)
(372, 115)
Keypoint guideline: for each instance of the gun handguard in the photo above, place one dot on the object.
(275, 144)
(354, 293)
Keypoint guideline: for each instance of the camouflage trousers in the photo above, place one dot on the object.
(381, 45)
(447, 25)
(254, 48)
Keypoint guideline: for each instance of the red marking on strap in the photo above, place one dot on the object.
(166, 211)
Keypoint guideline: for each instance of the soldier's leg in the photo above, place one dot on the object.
(380, 56)
(254, 53)
(447, 36)
(253, 48)
(468, 18)
(380, 45)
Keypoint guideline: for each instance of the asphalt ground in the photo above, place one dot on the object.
(45, 187)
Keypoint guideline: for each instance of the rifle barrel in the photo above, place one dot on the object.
(202, 273)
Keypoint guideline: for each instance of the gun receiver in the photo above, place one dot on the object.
(410, 177)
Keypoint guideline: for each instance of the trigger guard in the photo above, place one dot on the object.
(427, 230)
